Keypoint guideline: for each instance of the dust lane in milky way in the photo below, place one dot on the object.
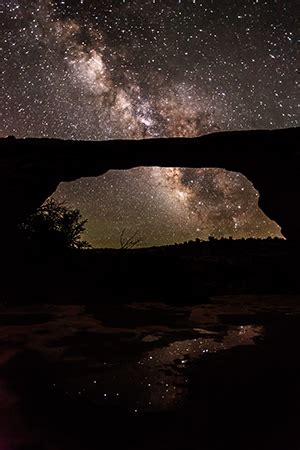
(138, 69)
(98, 70)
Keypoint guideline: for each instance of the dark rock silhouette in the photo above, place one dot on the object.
(31, 169)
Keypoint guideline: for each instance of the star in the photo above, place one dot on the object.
(143, 69)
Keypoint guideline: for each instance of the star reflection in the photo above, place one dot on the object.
(159, 380)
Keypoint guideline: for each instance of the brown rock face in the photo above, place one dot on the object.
(31, 169)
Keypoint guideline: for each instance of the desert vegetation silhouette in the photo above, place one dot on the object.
(53, 226)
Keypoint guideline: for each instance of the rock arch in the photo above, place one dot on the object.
(31, 169)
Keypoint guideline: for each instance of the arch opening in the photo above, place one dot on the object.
(167, 205)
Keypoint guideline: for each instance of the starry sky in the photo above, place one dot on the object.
(90, 69)
(167, 205)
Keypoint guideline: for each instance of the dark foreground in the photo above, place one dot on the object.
(217, 376)
(194, 347)
(184, 274)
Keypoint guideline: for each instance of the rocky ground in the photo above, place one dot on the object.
(218, 375)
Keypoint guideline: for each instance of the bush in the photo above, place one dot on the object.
(54, 226)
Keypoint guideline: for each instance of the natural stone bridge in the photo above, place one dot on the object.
(31, 169)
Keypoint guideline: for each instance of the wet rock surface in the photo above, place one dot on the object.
(219, 375)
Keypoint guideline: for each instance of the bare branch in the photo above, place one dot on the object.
(128, 242)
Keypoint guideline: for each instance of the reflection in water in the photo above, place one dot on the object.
(170, 386)
(157, 381)
(139, 369)
(136, 358)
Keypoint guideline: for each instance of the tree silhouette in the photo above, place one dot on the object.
(55, 226)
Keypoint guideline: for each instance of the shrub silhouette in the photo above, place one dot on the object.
(54, 226)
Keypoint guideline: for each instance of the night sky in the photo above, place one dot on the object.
(131, 69)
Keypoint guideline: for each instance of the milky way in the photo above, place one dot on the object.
(132, 69)
(167, 205)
